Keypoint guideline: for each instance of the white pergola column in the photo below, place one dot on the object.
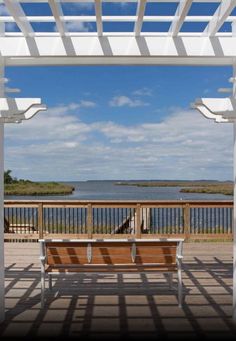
(2, 270)
(234, 210)
(12, 110)
(223, 110)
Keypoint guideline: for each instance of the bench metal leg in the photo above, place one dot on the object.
(180, 293)
(42, 290)
(170, 280)
(50, 282)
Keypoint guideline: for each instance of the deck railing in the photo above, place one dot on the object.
(30, 220)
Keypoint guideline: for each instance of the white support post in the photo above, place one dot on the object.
(234, 210)
(2, 269)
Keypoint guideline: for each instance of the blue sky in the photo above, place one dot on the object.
(117, 122)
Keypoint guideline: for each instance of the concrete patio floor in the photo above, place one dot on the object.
(121, 306)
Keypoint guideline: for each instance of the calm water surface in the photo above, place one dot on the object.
(108, 190)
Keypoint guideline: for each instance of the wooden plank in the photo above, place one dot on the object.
(23, 236)
(63, 246)
(110, 269)
(67, 260)
(138, 221)
(40, 220)
(158, 259)
(89, 223)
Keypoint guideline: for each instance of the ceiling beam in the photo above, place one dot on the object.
(57, 12)
(145, 49)
(16, 11)
(223, 11)
(98, 11)
(139, 14)
(180, 15)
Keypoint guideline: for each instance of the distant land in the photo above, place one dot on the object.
(196, 186)
(13, 186)
(38, 188)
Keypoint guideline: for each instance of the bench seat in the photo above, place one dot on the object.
(61, 257)
(87, 268)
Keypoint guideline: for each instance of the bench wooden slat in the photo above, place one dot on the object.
(110, 269)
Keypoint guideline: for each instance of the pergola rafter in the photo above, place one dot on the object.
(15, 9)
(98, 10)
(219, 17)
(140, 14)
(180, 15)
(57, 12)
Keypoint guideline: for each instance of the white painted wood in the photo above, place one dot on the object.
(57, 12)
(2, 272)
(185, 50)
(114, 18)
(15, 106)
(180, 15)
(117, 1)
(128, 240)
(15, 110)
(218, 19)
(139, 15)
(98, 11)
(19, 16)
(234, 210)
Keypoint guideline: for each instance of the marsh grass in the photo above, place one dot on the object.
(208, 187)
(37, 188)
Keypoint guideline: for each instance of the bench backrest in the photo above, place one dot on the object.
(111, 252)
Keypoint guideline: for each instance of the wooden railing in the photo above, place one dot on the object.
(31, 220)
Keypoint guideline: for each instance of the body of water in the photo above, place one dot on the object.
(108, 190)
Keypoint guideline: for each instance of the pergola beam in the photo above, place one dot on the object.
(180, 15)
(58, 16)
(186, 50)
(219, 17)
(16, 11)
(98, 12)
(139, 15)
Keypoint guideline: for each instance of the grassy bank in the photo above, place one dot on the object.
(217, 189)
(37, 188)
(208, 187)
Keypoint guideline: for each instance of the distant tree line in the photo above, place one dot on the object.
(8, 179)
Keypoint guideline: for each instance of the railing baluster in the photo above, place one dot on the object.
(199, 219)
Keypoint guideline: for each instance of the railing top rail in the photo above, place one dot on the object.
(128, 240)
(119, 202)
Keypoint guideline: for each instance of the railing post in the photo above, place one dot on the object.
(138, 221)
(186, 209)
(89, 220)
(40, 220)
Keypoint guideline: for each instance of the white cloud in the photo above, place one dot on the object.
(87, 104)
(143, 92)
(79, 26)
(83, 5)
(57, 145)
(120, 101)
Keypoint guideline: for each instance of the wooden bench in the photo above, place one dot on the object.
(110, 256)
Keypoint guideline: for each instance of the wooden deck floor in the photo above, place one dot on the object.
(133, 306)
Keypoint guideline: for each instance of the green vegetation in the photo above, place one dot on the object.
(209, 187)
(13, 186)
(226, 189)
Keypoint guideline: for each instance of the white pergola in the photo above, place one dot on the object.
(197, 32)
